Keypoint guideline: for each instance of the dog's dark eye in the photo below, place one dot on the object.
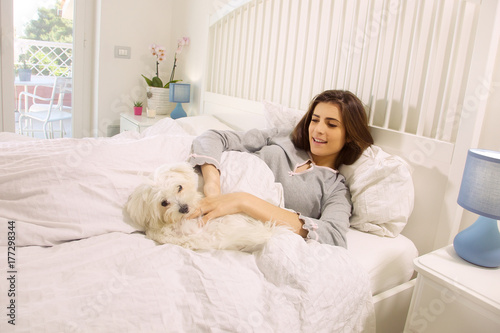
(180, 188)
(164, 203)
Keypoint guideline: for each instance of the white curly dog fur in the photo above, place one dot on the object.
(161, 204)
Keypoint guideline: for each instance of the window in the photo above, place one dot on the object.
(58, 53)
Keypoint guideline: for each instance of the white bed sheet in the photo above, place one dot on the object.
(388, 260)
(120, 282)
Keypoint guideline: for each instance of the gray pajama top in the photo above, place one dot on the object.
(317, 194)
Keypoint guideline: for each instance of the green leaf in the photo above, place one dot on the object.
(168, 83)
(148, 81)
(157, 82)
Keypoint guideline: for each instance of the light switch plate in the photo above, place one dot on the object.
(122, 52)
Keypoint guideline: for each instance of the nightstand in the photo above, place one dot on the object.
(130, 122)
(452, 295)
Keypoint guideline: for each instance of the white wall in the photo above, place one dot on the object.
(118, 82)
(191, 20)
(137, 24)
(490, 135)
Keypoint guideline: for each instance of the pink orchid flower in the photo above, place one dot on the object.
(152, 48)
(160, 53)
(184, 41)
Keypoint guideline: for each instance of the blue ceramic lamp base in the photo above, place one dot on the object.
(178, 112)
(480, 243)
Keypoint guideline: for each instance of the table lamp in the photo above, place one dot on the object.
(179, 93)
(480, 194)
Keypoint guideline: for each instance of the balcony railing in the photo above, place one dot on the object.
(45, 58)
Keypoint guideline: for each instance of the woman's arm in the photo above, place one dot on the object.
(211, 178)
(215, 204)
(331, 227)
(208, 147)
(207, 150)
(242, 202)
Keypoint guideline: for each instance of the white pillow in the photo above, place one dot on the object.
(279, 116)
(381, 190)
(196, 125)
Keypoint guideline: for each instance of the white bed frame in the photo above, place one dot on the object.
(423, 67)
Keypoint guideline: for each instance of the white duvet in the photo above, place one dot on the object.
(80, 265)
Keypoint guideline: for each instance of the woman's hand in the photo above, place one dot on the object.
(211, 207)
(222, 205)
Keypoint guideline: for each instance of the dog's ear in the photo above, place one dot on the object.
(185, 169)
(138, 205)
(181, 167)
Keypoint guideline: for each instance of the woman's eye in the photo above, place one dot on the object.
(180, 188)
(164, 203)
(332, 125)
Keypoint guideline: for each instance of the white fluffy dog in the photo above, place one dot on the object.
(171, 192)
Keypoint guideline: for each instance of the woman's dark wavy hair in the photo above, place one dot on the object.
(355, 121)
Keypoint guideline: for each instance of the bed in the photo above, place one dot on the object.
(80, 266)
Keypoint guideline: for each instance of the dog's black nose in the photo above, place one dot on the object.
(183, 209)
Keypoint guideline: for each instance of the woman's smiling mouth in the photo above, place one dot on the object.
(318, 140)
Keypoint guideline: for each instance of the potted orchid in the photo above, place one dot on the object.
(158, 92)
(159, 52)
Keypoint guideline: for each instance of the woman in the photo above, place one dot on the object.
(334, 131)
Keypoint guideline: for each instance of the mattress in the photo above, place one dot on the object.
(388, 261)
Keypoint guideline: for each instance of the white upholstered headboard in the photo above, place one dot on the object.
(421, 66)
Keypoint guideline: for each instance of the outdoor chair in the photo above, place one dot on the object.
(51, 109)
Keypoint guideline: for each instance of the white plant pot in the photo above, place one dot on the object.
(158, 99)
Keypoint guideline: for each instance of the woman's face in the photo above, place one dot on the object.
(326, 134)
